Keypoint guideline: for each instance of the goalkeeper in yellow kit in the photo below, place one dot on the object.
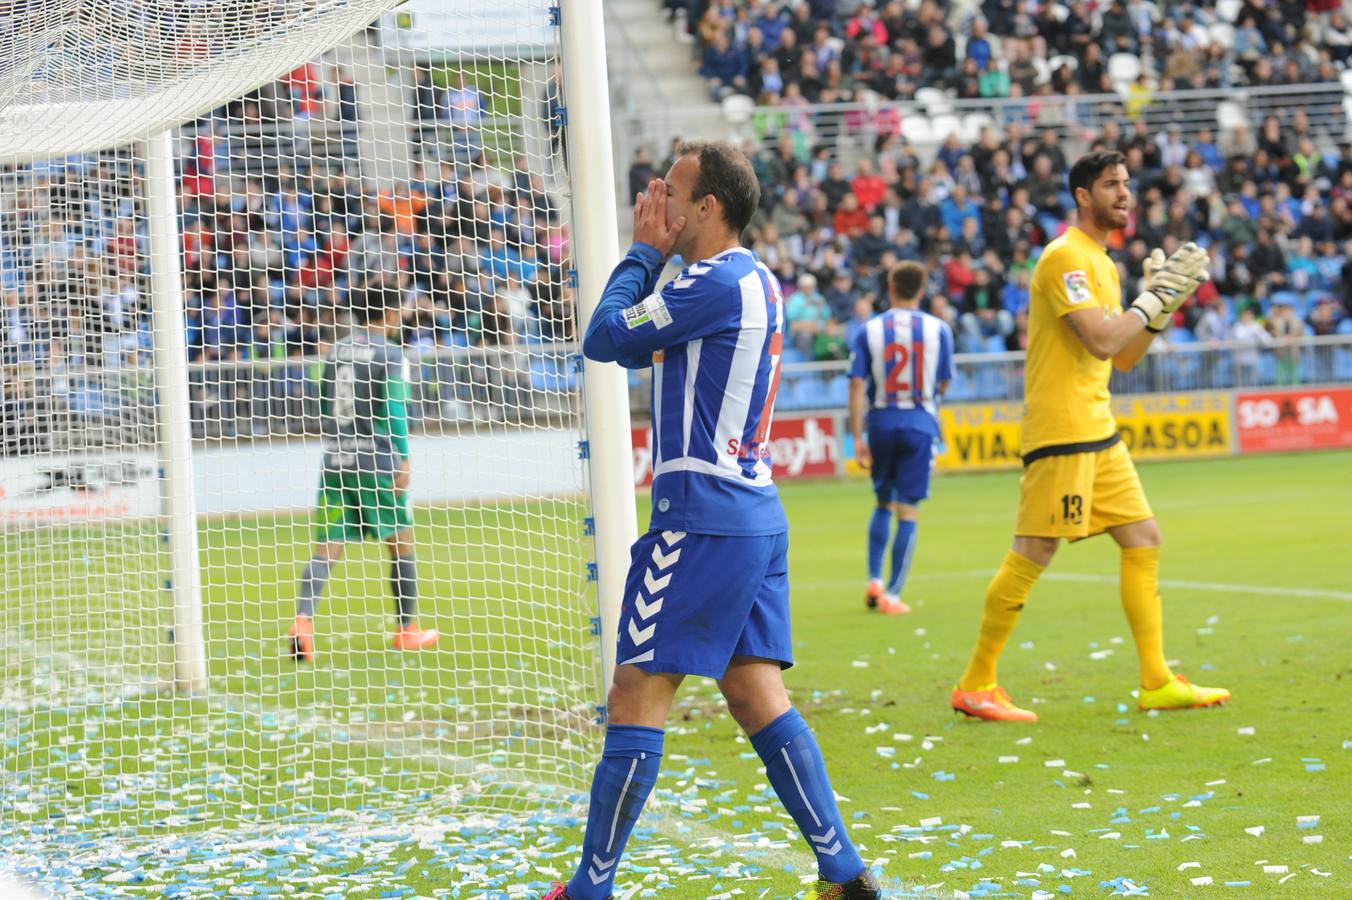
(1078, 479)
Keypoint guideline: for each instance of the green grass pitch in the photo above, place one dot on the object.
(1095, 798)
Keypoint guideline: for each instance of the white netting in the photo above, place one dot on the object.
(373, 168)
(80, 75)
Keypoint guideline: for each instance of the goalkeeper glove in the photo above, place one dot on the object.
(1169, 283)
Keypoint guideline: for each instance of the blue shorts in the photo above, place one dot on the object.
(903, 459)
(694, 601)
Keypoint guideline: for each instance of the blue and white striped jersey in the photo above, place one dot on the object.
(903, 355)
(712, 336)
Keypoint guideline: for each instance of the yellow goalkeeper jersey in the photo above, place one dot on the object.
(1065, 387)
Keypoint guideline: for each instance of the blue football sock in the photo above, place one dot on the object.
(903, 546)
(794, 765)
(624, 778)
(878, 527)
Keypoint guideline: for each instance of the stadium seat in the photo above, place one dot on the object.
(1228, 10)
(737, 108)
(811, 393)
(1230, 115)
(994, 344)
(959, 388)
(1291, 298)
(1346, 78)
(838, 392)
(1124, 67)
(916, 130)
(552, 374)
(1223, 33)
(1064, 60)
(1345, 326)
(972, 124)
(935, 101)
(792, 355)
(1342, 365)
(1043, 68)
(942, 126)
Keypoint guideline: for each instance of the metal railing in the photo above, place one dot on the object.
(850, 129)
(84, 408)
(998, 377)
(536, 385)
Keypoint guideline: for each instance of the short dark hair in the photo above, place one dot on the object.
(1089, 167)
(724, 172)
(374, 302)
(906, 280)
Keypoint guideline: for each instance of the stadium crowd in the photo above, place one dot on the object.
(845, 194)
(281, 228)
(280, 232)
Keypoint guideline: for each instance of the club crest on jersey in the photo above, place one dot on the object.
(650, 309)
(1077, 286)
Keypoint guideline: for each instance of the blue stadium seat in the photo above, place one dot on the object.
(552, 374)
(838, 393)
(792, 354)
(811, 393)
(1295, 300)
(1342, 365)
(1267, 368)
(960, 388)
(1345, 326)
(993, 344)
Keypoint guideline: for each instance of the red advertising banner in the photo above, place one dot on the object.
(1293, 420)
(799, 448)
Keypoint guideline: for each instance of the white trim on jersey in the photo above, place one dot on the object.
(690, 464)
(741, 383)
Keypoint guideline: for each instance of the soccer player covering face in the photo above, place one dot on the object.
(900, 363)
(363, 490)
(1078, 479)
(708, 588)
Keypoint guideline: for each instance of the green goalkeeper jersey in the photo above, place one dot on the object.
(365, 406)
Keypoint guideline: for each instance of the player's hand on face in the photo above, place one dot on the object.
(650, 219)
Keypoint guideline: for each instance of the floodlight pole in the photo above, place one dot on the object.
(178, 509)
(595, 242)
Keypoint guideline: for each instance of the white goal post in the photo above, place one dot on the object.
(197, 204)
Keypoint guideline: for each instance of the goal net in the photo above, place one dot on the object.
(371, 226)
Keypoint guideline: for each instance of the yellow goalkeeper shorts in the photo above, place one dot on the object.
(1079, 494)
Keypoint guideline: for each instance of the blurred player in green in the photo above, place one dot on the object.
(363, 491)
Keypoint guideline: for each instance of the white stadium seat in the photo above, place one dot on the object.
(737, 108)
(1230, 114)
(916, 129)
(1124, 67)
(942, 126)
(1228, 10)
(1064, 60)
(1223, 33)
(935, 101)
(1346, 78)
(972, 123)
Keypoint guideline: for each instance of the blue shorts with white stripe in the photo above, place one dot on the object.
(694, 601)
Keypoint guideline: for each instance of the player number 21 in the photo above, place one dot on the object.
(899, 357)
